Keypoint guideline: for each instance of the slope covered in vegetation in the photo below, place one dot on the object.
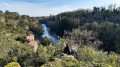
(103, 22)
(13, 29)
(87, 57)
(91, 36)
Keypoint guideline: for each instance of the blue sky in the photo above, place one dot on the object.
(53, 7)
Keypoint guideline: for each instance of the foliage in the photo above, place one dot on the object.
(82, 37)
(11, 50)
(45, 41)
(36, 28)
(98, 58)
(13, 64)
(100, 20)
(72, 62)
(45, 53)
(63, 62)
(97, 28)
(13, 46)
(60, 46)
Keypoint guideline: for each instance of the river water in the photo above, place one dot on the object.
(52, 38)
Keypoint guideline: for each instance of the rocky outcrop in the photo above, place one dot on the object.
(69, 50)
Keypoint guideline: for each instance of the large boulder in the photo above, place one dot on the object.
(69, 50)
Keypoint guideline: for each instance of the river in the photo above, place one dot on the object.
(51, 37)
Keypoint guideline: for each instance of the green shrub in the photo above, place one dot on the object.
(98, 58)
(100, 64)
(63, 62)
(86, 54)
(13, 64)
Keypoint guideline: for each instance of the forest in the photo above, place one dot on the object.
(87, 38)
(102, 21)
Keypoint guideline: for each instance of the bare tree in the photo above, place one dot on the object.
(81, 37)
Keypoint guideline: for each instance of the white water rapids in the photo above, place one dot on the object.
(47, 34)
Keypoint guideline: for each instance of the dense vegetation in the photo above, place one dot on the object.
(104, 23)
(87, 57)
(13, 30)
(93, 35)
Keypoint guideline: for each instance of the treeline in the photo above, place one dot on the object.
(80, 17)
(101, 20)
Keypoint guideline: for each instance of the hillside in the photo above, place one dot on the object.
(105, 22)
(13, 30)
(87, 38)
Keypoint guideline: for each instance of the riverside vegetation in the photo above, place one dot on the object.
(95, 34)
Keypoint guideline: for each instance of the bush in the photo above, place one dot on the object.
(60, 46)
(63, 62)
(86, 54)
(45, 53)
(98, 58)
(13, 64)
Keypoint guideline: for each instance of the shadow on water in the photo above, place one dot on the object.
(52, 37)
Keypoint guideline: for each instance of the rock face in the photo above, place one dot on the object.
(65, 56)
(69, 50)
